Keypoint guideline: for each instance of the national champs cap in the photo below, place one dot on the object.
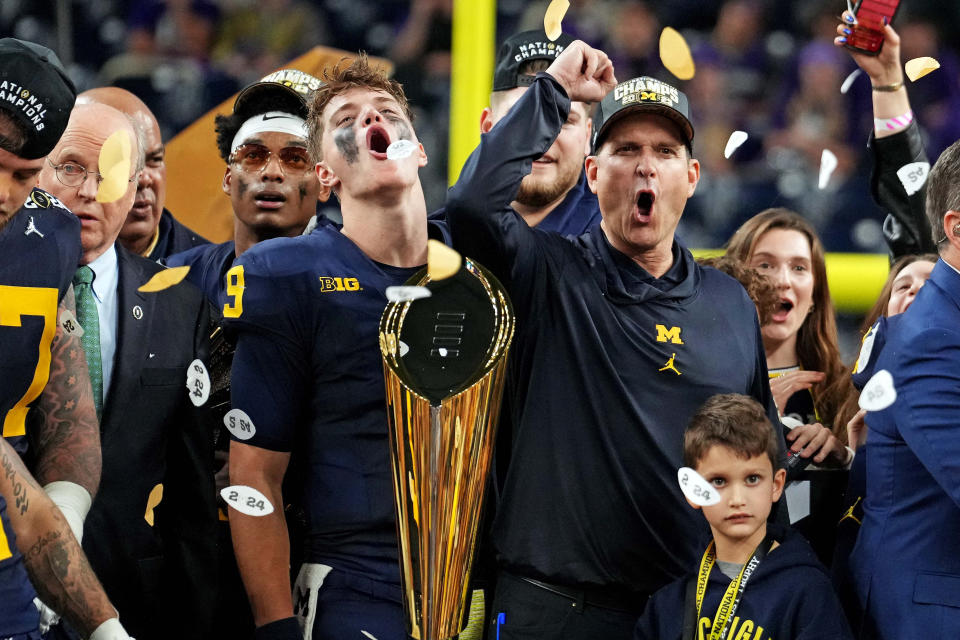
(36, 91)
(643, 94)
(285, 90)
(520, 47)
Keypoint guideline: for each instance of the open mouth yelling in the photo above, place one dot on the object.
(645, 200)
(783, 310)
(377, 142)
(269, 200)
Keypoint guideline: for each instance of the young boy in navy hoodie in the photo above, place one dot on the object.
(756, 581)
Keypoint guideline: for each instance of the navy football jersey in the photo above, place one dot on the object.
(208, 265)
(18, 614)
(39, 252)
(308, 371)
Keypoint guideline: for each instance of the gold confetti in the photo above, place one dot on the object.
(156, 495)
(675, 54)
(164, 279)
(919, 67)
(442, 261)
(553, 17)
(114, 167)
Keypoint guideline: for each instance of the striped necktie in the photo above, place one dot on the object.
(90, 321)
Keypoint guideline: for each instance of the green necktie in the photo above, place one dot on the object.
(90, 321)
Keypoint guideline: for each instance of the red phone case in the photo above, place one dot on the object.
(867, 36)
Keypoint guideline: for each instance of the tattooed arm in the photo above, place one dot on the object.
(52, 556)
(67, 436)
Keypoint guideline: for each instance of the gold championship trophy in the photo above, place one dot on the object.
(444, 341)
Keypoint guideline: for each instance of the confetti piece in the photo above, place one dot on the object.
(790, 422)
(553, 18)
(400, 149)
(879, 393)
(404, 348)
(919, 67)
(247, 500)
(114, 163)
(239, 424)
(71, 326)
(442, 261)
(866, 348)
(164, 279)
(198, 383)
(156, 495)
(913, 176)
(849, 81)
(367, 634)
(696, 489)
(737, 138)
(675, 54)
(828, 163)
(407, 294)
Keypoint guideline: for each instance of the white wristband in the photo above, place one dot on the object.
(74, 502)
(893, 124)
(110, 629)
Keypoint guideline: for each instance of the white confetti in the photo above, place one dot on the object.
(696, 489)
(879, 393)
(368, 634)
(247, 500)
(239, 424)
(407, 294)
(828, 163)
(737, 138)
(404, 348)
(913, 176)
(866, 348)
(849, 81)
(442, 351)
(198, 383)
(400, 149)
(71, 326)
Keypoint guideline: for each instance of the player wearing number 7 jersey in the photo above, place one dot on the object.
(46, 406)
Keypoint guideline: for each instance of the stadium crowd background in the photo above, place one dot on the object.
(766, 67)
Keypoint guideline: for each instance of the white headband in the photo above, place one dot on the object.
(277, 121)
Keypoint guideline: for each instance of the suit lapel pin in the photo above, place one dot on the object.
(137, 312)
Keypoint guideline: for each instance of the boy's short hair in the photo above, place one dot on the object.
(732, 420)
(358, 75)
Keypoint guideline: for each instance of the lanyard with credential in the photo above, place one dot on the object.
(731, 597)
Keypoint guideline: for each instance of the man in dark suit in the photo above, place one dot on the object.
(150, 534)
(905, 565)
(149, 230)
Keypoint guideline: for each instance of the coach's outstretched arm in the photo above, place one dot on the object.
(483, 224)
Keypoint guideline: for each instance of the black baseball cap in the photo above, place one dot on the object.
(519, 48)
(36, 91)
(286, 90)
(643, 94)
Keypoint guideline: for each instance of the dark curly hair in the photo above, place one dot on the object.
(763, 292)
(227, 126)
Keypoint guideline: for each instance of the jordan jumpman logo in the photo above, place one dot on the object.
(32, 228)
(670, 365)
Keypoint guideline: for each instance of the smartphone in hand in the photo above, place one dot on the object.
(867, 36)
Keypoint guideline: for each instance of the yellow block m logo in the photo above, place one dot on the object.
(668, 335)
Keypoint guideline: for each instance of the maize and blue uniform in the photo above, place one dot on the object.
(208, 264)
(308, 372)
(19, 617)
(39, 252)
(607, 367)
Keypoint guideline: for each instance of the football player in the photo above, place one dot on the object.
(308, 374)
